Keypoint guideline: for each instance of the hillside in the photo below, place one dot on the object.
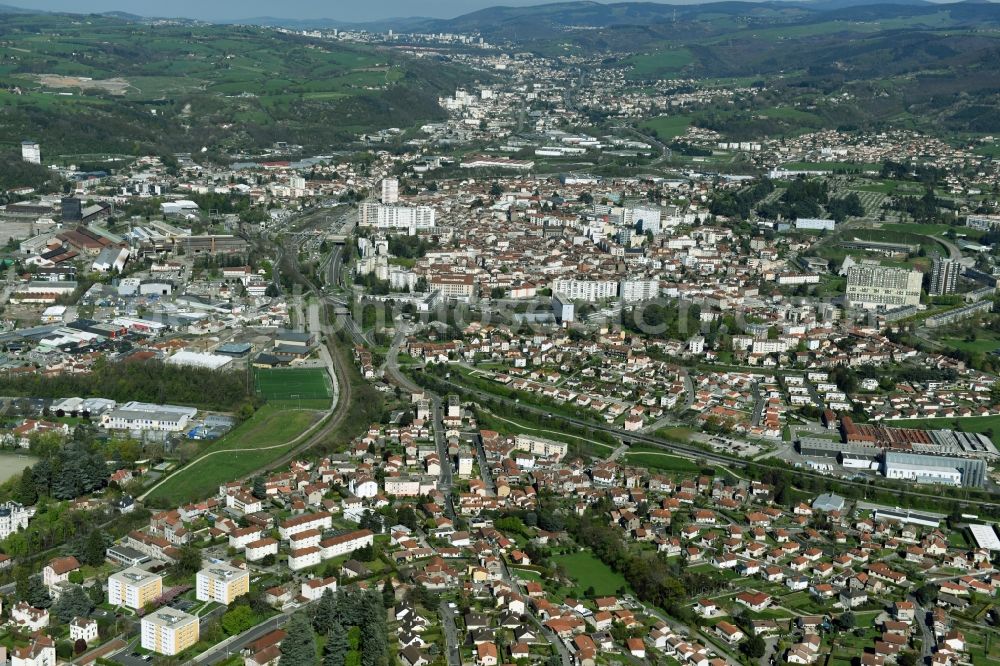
(909, 63)
(87, 83)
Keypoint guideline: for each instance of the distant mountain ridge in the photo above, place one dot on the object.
(501, 19)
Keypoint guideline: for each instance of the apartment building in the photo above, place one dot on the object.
(639, 290)
(134, 588)
(304, 558)
(258, 550)
(169, 631)
(390, 190)
(586, 290)
(349, 542)
(453, 286)
(303, 523)
(873, 286)
(944, 276)
(642, 219)
(541, 447)
(397, 217)
(221, 583)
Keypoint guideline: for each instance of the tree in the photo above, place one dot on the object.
(259, 489)
(299, 645)
(846, 621)
(407, 516)
(189, 561)
(96, 593)
(754, 647)
(374, 646)
(26, 491)
(73, 602)
(371, 521)
(79, 646)
(926, 594)
(388, 593)
(335, 652)
(93, 549)
(238, 619)
(37, 594)
(326, 613)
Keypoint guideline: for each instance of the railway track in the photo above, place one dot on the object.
(693, 452)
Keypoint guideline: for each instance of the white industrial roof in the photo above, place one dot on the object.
(985, 536)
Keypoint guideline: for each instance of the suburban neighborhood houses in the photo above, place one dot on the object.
(598, 363)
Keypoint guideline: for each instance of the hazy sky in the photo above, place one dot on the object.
(344, 10)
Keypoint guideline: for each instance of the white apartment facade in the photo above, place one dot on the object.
(873, 286)
(586, 290)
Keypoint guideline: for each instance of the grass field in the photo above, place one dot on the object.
(968, 424)
(984, 342)
(790, 113)
(663, 63)
(293, 384)
(587, 571)
(662, 462)
(246, 448)
(668, 127)
(673, 433)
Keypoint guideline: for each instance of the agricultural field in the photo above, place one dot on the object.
(660, 64)
(117, 85)
(668, 127)
(253, 444)
(295, 386)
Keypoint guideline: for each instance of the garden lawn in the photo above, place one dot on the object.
(586, 570)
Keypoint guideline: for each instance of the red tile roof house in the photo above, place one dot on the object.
(755, 601)
(58, 570)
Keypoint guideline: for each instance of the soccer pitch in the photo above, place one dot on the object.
(293, 384)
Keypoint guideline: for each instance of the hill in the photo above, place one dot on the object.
(83, 84)
(842, 63)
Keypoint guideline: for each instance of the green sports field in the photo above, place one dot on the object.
(293, 384)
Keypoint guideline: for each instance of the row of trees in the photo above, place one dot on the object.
(152, 381)
(336, 616)
(68, 473)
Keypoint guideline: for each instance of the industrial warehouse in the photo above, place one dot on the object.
(946, 457)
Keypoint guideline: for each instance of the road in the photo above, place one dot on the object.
(515, 583)
(450, 634)
(393, 373)
(926, 635)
